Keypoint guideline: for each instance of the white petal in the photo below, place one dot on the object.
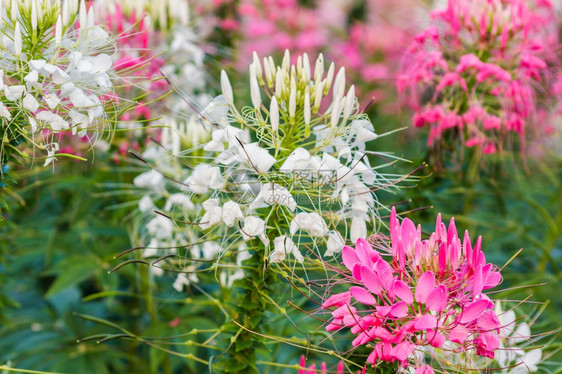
(30, 103)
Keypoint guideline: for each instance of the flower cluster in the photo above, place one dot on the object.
(290, 172)
(429, 294)
(55, 76)
(477, 72)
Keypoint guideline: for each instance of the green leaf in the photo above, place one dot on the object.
(72, 276)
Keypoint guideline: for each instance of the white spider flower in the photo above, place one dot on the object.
(160, 227)
(231, 212)
(204, 177)
(254, 226)
(334, 244)
(151, 179)
(270, 194)
(313, 223)
(213, 214)
(259, 158)
(283, 245)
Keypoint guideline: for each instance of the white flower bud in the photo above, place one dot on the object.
(17, 39)
(339, 84)
(226, 88)
(286, 61)
(91, 18)
(58, 31)
(254, 87)
(257, 65)
(14, 10)
(274, 114)
(335, 113)
(40, 11)
(318, 94)
(299, 66)
(268, 73)
(349, 102)
(34, 16)
(306, 67)
(307, 108)
(65, 12)
(83, 17)
(279, 83)
(293, 100)
(319, 68)
(329, 78)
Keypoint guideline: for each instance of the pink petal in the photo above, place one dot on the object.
(399, 310)
(473, 311)
(349, 257)
(361, 295)
(402, 290)
(426, 369)
(426, 284)
(402, 351)
(383, 310)
(427, 321)
(337, 300)
(437, 299)
(477, 282)
(371, 280)
(458, 334)
(365, 252)
(435, 339)
(488, 321)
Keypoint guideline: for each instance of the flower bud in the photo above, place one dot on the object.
(279, 82)
(254, 87)
(336, 110)
(34, 16)
(329, 78)
(307, 108)
(318, 94)
(339, 84)
(319, 68)
(58, 31)
(306, 67)
(286, 60)
(17, 39)
(257, 65)
(226, 88)
(293, 101)
(268, 73)
(349, 102)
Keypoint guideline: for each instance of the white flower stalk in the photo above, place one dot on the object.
(302, 176)
(57, 74)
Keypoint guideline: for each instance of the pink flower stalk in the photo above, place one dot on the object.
(477, 71)
(429, 294)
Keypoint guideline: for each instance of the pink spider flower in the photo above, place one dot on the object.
(485, 64)
(429, 293)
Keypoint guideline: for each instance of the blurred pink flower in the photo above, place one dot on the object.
(482, 63)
